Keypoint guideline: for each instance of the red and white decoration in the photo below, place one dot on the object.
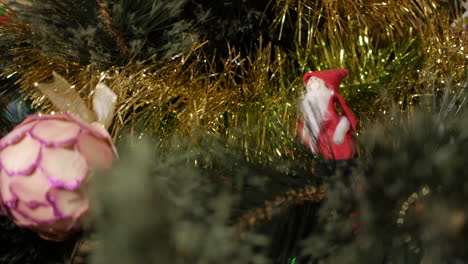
(322, 129)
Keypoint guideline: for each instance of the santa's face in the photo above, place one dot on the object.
(315, 84)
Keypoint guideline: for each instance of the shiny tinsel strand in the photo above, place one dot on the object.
(256, 217)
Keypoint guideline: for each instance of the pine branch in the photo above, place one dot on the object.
(106, 20)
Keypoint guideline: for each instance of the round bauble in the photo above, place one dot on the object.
(45, 165)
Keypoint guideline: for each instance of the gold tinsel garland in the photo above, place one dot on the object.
(258, 216)
(398, 48)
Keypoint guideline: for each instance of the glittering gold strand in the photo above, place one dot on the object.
(386, 19)
(446, 50)
(31, 67)
(258, 216)
(444, 65)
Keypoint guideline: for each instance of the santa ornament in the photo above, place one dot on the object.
(326, 132)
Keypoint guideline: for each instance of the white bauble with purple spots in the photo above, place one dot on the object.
(45, 164)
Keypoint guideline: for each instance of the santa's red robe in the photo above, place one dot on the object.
(324, 143)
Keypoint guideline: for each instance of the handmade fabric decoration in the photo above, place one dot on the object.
(47, 161)
(322, 129)
(45, 164)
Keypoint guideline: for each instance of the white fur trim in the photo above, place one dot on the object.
(341, 129)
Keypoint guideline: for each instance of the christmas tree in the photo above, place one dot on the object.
(211, 167)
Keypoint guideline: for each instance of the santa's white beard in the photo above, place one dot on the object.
(314, 108)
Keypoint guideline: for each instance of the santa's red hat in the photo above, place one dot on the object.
(331, 77)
